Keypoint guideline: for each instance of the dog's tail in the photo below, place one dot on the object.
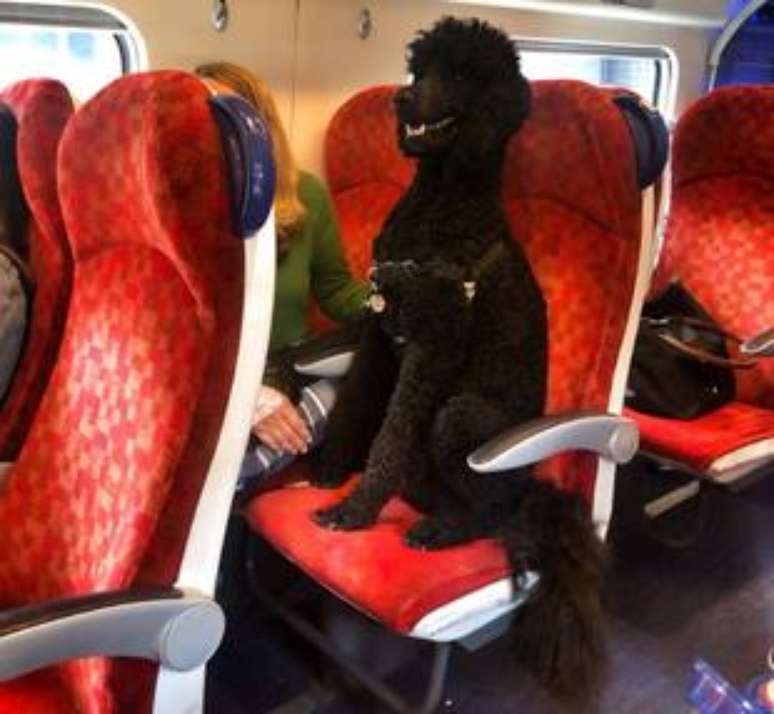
(559, 633)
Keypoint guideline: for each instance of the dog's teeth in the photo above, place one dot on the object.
(422, 129)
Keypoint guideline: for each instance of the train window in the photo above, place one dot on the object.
(648, 71)
(85, 48)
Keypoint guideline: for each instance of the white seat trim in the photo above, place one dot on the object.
(202, 552)
(735, 464)
(184, 691)
(459, 618)
(605, 481)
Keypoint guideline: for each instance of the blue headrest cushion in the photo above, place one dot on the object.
(247, 145)
(650, 136)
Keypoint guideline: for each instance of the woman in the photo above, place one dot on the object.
(310, 263)
(15, 284)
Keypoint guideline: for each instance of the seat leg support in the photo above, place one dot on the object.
(388, 695)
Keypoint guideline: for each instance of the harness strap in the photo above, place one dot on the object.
(377, 303)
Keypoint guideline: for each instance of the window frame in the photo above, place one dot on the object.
(665, 59)
(94, 17)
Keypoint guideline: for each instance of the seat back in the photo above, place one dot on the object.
(135, 415)
(41, 107)
(720, 234)
(366, 172)
(571, 197)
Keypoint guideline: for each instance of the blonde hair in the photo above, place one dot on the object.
(289, 212)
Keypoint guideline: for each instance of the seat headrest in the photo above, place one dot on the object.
(247, 146)
(574, 150)
(361, 143)
(650, 136)
(148, 154)
(42, 108)
(729, 131)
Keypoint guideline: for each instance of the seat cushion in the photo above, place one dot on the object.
(706, 444)
(39, 693)
(372, 569)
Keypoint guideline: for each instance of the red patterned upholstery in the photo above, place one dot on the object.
(720, 244)
(720, 236)
(366, 176)
(699, 443)
(571, 196)
(410, 582)
(42, 108)
(366, 172)
(103, 491)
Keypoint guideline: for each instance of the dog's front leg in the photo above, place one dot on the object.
(359, 410)
(399, 450)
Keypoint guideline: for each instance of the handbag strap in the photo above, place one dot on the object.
(703, 356)
(695, 322)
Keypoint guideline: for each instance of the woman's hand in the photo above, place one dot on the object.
(278, 424)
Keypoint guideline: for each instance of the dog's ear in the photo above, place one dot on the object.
(510, 100)
(499, 112)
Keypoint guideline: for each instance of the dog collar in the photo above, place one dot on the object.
(377, 303)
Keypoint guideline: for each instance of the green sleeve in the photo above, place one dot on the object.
(340, 296)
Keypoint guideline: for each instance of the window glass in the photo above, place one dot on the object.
(83, 59)
(647, 75)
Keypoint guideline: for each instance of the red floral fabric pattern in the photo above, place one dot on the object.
(42, 107)
(571, 197)
(720, 235)
(115, 458)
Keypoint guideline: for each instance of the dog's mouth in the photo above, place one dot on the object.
(413, 130)
(427, 136)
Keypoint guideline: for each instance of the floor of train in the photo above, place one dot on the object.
(708, 596)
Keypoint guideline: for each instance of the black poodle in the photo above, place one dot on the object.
(454, 350)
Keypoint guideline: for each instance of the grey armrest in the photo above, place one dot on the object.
(180, 631)
(762, 345)
(609, 435)
(331, 364)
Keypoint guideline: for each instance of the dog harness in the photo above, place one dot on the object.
(376, 302)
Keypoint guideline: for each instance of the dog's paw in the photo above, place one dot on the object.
(433, 534)
(344, 516)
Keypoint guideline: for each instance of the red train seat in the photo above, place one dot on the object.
(571, 195)
(720, 245)
(124, 484)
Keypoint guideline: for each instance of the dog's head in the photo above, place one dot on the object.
(467, 94)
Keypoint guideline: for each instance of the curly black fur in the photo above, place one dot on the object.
(438, 374)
